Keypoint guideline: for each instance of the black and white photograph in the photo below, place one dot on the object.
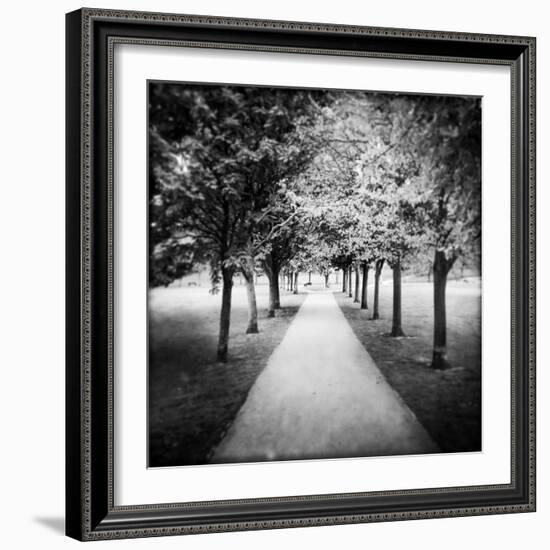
(314, 274)
(270, 275)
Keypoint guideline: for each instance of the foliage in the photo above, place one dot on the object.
(289, 180)
(221, 158)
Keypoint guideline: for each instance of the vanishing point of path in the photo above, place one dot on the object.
(321, 396)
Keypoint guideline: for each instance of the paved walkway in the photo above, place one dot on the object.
(321, 396)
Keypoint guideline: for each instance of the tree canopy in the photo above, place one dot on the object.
(244, 178)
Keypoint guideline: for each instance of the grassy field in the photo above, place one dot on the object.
(448, 403)
(193, 398)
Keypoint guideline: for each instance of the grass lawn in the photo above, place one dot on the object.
(447, 403)
(193, 398)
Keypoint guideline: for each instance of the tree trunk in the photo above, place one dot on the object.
(309, 275)
(364, 304)
(225, 314)
(327, 275)
(377, 272)
(357, 285)
(274, 297)
(295, 291)
(291, 281)
(276, 293)
(396, 329)
(336, 275)
(350, 294)
(344, 280)
(249, 276)
(441, 268)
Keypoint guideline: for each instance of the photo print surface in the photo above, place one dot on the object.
(314, 281)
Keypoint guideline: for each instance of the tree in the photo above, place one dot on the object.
(377, 272)
(273, 262)
(331, 195)
(404, 237)
(283, 245)
(173, 251)
(450, 141)
(434, 144)
(392, 196)
(389, 168)
(357, 283)
(321, 259)
(229, 148)
(364, 286)
(205, 181)
(280, 144)
(368, 148)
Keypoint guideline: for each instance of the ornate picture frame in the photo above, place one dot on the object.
(91, 510)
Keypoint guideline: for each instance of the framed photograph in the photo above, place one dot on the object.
(300, 274)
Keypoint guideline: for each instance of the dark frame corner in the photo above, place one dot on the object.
(90, 511)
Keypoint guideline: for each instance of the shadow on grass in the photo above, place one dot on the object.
(192, 397)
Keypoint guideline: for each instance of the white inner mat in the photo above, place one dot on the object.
(134, 482)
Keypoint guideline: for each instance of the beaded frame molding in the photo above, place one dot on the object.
(90, 510)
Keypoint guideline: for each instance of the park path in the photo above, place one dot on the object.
(321, 396)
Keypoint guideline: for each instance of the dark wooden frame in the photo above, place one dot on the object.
(91, 35)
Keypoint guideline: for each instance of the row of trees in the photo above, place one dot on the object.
(307, 180)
